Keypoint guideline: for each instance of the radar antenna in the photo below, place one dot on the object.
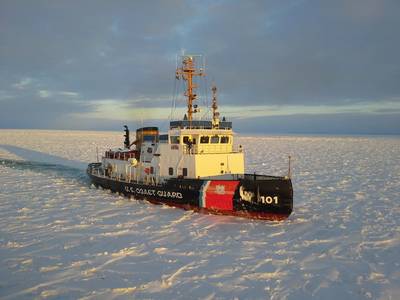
(187, 72)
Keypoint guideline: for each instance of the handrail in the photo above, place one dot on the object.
(119, 155)
(210, 149)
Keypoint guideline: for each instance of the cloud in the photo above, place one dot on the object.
(312, 56)
(290, 56)
(38, 112)
(5, 95)
(64, 94)
(68, 94)
(338, 123)
(44, 94)
(23, 83)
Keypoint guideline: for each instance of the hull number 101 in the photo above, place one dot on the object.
(268, 199)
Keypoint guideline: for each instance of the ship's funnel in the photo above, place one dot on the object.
(146, 134)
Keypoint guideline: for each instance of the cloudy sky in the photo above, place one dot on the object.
(293, 66)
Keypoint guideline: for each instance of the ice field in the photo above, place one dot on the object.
(61, 238)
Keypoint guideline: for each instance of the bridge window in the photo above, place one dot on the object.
(204, 139)
(215, 139)
(171, 171)
(175, 139)
(224, 139)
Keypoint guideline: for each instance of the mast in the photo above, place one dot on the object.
(187, 72)
(214, 106)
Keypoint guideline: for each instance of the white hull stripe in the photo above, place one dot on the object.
(203, 191)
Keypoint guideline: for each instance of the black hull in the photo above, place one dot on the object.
(251, 196)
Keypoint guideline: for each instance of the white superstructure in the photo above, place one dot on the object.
(191, 149)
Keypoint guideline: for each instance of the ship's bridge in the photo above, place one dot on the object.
(202, 141)
(198, 137)
(196, 149)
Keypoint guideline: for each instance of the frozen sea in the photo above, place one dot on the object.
(61, 238)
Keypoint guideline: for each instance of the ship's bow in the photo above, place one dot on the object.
(266, 196)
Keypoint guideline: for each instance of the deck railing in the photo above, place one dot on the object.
(119, 155)
(211, 149)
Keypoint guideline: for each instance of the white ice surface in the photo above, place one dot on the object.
(60, 238)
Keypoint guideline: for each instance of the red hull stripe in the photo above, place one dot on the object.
(219, 195)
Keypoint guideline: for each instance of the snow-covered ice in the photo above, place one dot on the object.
(61, 238)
